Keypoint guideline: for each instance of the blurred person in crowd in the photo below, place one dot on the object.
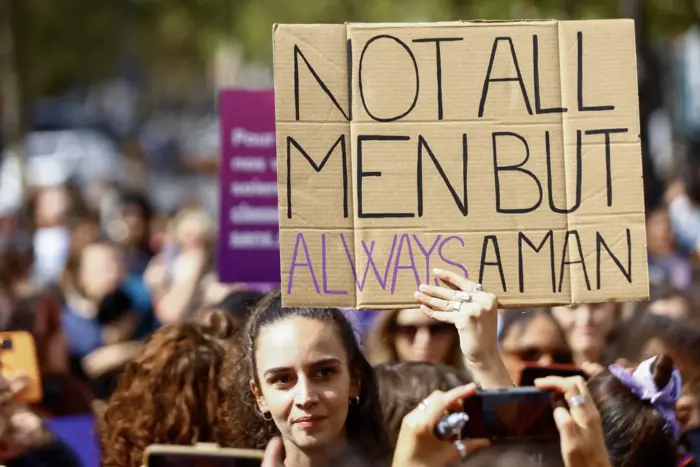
(171, 393)
(103, 306)
(25, 441)
(403, 385)
(589, 328)
(410, 336)
(310, 384)
(130, 229)
(53, 208)
(665, 262)
(182, 278)
(688, 407)
(238, 305)
(638, 412)
(531, 336)
(671, 302)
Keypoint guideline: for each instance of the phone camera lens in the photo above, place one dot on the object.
(7, 344)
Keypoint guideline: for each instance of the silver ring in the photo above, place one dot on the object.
(456, 306)
(422, 406)
(462, 296)
(461, 449)
(576, 401)
(478, 288)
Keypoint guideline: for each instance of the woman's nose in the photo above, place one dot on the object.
(306, 394)
(422, 338)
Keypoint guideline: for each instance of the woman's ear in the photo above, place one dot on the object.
(259, 398)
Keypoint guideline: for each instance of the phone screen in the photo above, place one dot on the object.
(511, 415)
(199, 460)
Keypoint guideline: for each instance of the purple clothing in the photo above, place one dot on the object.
(673, 268)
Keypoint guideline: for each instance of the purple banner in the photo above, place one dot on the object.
(248, 221)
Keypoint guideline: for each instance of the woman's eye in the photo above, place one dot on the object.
(325, 372)
(281, 379)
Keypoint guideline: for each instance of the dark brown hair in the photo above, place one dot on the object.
(171, 394)
(635, 432)
(403, 385)
(364, 425)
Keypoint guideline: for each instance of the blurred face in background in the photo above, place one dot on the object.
(419, 338)
(536, 340)
(660, 238)
(51, 207)
(675, 306)
(135, 223)
(101, 270)
(587, 326)
(191, 232)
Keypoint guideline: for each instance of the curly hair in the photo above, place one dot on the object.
(171, 393)
(364, 424)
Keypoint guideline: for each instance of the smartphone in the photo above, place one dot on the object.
(18, 355)
(200, 455)
(512, 415)
(532, 371)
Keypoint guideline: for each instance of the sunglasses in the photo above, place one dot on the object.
(438, 329)
(533, 354)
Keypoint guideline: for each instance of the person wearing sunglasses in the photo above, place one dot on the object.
(531, 336)
(411, 336)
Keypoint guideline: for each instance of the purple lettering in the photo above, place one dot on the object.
(300, 238)
(457, 265)
(427, 255)
(325, 270)
(370, 263)
(398, 259)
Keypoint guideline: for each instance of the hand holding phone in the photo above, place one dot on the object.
(18, 357)
(511, 415)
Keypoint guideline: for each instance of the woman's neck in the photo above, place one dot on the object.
(319, 457)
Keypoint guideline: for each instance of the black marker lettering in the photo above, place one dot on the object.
(484, 263)
(536, 79)
(462, 204)
(521, 264)
(600, 244)
(608, 168)
(359, 77)
(297, 85)
(489, 79)
(317, 167)
(579, 81)
(362, 174)
(438, 63)
(512, 168)
(565, 261)
(579, 176)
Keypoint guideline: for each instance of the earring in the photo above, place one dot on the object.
(356, 400)
(267, 416)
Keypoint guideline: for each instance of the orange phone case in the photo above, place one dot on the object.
(18, 354)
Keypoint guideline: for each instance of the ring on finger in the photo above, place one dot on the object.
(422, 406)
(461, 448)
(478, 288)
(461, 296)
(456, 306)
(576, 401)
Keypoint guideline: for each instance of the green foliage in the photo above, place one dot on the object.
(62, 43)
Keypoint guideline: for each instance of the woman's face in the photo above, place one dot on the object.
(586, 326)
(419, 338)
(304, 381)
(101, 270)
(537, 340)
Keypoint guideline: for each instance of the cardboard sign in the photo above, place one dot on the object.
(508, 152)
(249, 235)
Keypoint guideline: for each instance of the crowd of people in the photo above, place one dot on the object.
(132, 325)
